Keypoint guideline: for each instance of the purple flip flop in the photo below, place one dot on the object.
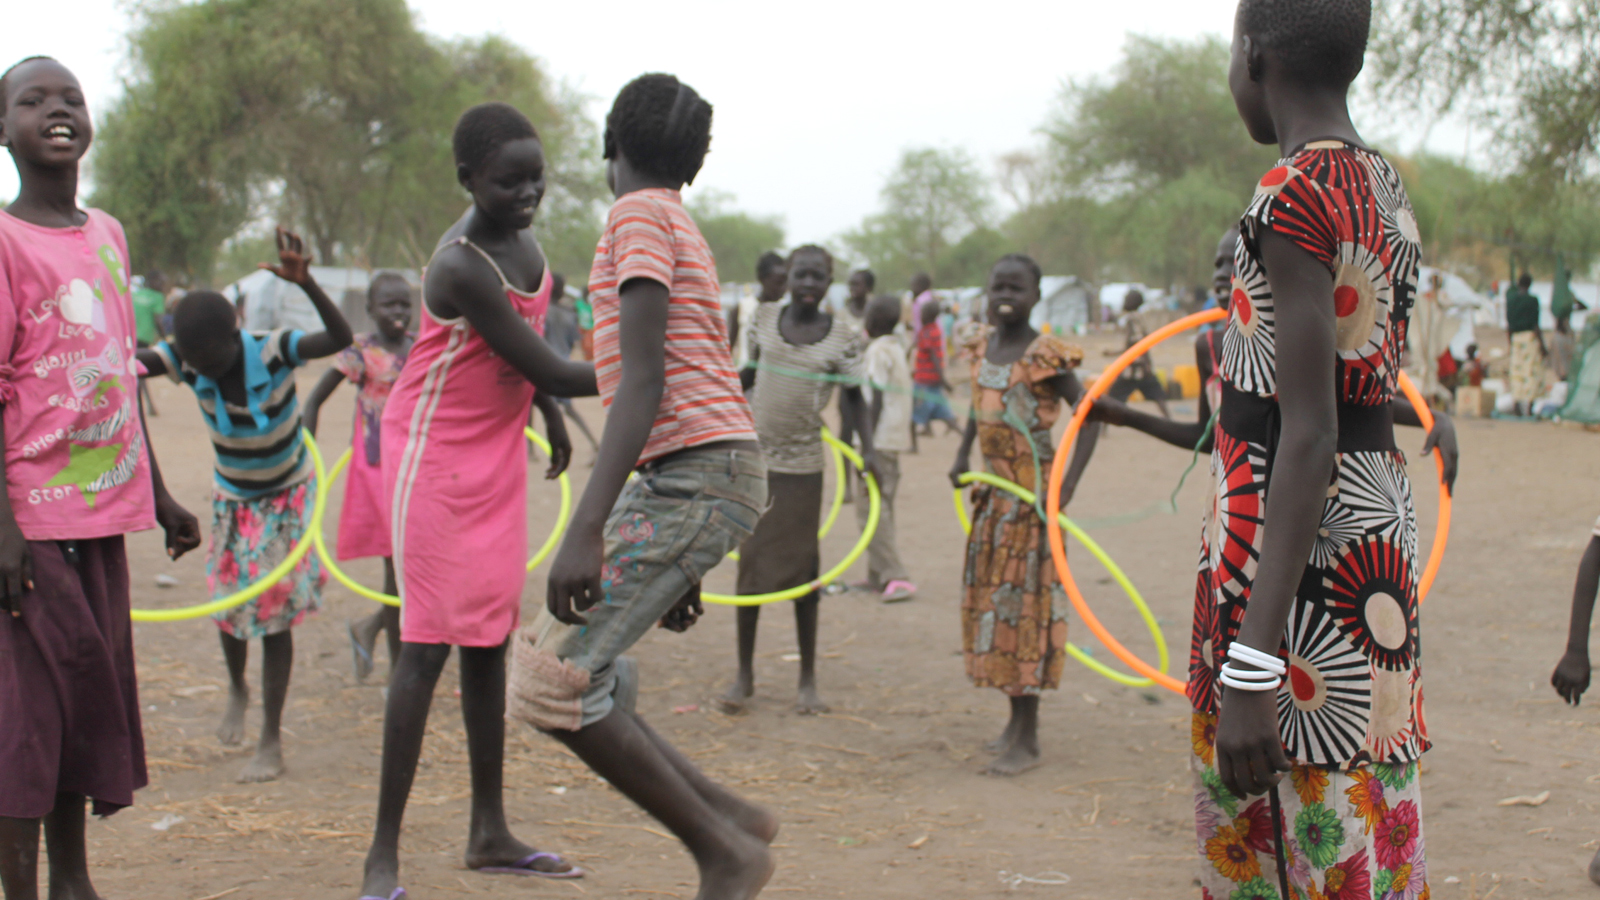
(399, 893)
(524, 866)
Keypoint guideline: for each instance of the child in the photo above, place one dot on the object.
(636, 551)
(801, 351)
(562, 333)
(928, 375)
(890, 378)
(1306, 602)
(854, 312)
(263, 493)
(1572, 674)
(77, 477)
(1140, 375)
(1013, 609)
(456, 472)
(372, 363)
(772, 276)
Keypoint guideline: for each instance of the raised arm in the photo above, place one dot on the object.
(1250, 754)
(475, 292)
(294, 265)
(574, 582)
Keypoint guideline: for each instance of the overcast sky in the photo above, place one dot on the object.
(814, 102)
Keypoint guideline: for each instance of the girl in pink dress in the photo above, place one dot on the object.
(455, 470)
(372, 363)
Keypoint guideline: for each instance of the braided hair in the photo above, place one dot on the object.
(661, 125)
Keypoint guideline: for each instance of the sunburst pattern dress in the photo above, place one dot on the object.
(1350, 709)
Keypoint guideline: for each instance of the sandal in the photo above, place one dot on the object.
(524, 866)
(898, 591)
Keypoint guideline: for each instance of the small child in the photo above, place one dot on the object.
(801, 351)
(854, 312)
(455, 471)
(263, 492)
(77, 477)
(889, 376)
(1013, 609)
(928, 375)
(372, 363)
(1140, 375)
(1572, 674)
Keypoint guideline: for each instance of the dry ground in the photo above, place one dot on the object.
(883, 798)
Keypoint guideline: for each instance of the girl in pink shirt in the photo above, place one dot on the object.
(77, 477)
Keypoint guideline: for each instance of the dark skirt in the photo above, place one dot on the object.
(69, 702)
(783, 551)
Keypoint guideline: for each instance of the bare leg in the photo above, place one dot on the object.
(483, 710)
(235, 653)
(1594, 868)
(571, 414)
(69, 860)
(405, 720)
(277, 663)
(733, 864)
(1023, 752)
(384, 619)
(19, 858)
(805, 627)
(744, 687)
(752, 818)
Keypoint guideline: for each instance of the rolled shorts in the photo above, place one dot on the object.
(669, 527)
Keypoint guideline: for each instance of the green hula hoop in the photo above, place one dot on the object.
(278, 573)
(838, 490)
(873, 509)
(1028, 497)
(325, 485)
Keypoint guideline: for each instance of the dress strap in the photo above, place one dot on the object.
(481, 252)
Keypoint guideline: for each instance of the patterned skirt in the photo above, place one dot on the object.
(249, 538)
(1527, 367)
(1013, 608)
(1353, 835)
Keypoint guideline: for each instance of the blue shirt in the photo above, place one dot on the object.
(258, 446)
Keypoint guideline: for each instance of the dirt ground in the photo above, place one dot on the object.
(883, 798)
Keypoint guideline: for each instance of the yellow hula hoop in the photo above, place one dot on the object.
(1028, 497)
(325, 485)
(873, 509)
(278, 573)
(838, 490)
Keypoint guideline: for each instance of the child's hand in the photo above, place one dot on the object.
(956, 471)
(1571, 677)
(574, 581)
(294, 263)
(1443, 436)
(182, 528)
(687, 611)
(16, 567)
(560, 446)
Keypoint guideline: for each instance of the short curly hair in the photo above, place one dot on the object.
(1321, 41)
(1025, 261)
(769, 260)
(661, 125)
(868, 277)
(812, 248)
(484, 128)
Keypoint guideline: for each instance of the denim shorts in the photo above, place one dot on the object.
(669, 527)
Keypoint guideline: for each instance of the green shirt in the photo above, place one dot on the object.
(585, 315)
(1522, 311)
(147, 306)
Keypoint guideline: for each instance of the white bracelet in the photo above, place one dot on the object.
(1239, 674)
(1254, 686)
(1248, 655)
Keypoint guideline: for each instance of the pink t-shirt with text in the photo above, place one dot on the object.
(76, 466)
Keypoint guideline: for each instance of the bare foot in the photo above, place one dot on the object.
(1017, 759)
(381, 876)
(363, 638)
(267, 764)
(1006, 738)
(231, 732)
(808, 703)
(733, 700)
(752, 819)
(1594, 868)
(738, 874)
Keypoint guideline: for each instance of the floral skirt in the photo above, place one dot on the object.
(1353, 835)
(249, 538)
(1527, 367)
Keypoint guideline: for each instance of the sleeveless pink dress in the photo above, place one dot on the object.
(455, 468)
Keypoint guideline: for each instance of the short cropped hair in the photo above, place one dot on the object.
(661, 125)
(812, 248)
(1026, 262)
(5, 79)
(202, 318)
(769, 260)
(866, 275)
(384, 277)
(1321, 41)
(484, 128)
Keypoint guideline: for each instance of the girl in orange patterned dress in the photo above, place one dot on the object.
(1013, 610)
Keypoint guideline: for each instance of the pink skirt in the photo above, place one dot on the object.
(364, 518)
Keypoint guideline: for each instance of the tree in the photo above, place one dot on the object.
(932, 200)
(332, 115)
(737, 239)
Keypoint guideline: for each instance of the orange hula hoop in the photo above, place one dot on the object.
(1058, 469)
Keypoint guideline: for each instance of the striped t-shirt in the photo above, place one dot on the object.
(258, 446)
(794, 383)
(650, 235)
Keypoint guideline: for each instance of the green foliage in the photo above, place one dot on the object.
(737, 239)
(932, 201)
(333, 116)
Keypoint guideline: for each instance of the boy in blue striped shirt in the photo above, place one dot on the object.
(263, 492)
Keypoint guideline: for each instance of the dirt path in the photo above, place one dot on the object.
(882, 798)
